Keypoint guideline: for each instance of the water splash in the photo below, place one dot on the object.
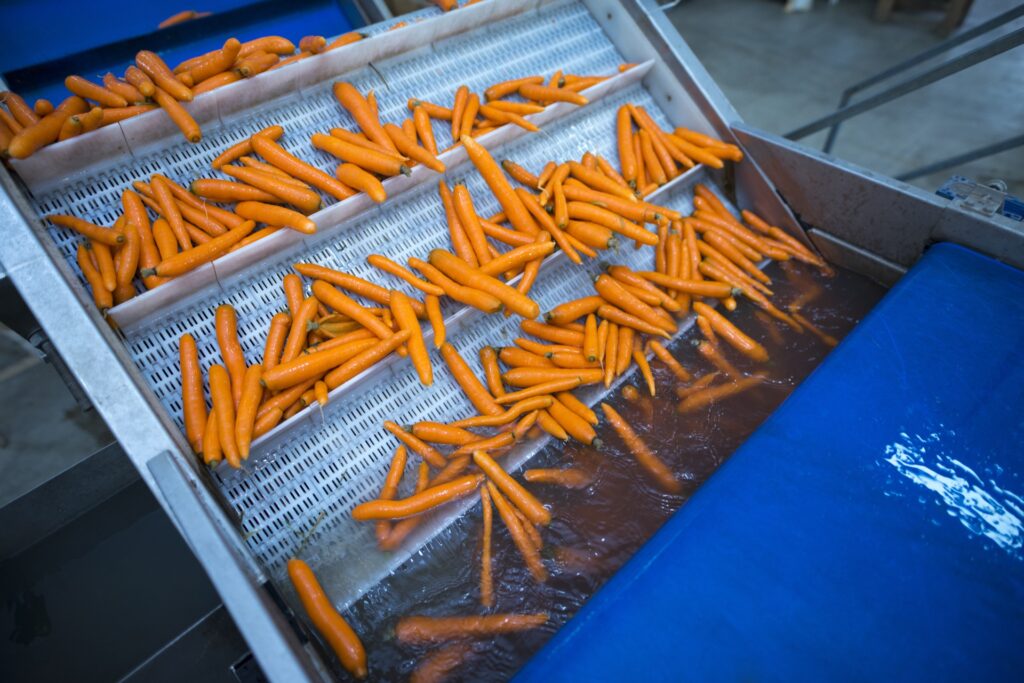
(983, 507)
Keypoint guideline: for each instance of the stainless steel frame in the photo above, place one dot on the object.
(869, 222)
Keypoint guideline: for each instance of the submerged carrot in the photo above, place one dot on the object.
(647, 459)
(704, 397)
(486, 582)
(437, 666)
(732, 334)
(515, 528)
(328, 622)
(417, 630)
(569, 477)
(523, 499)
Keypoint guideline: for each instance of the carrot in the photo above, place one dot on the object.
(486, 582)
(487, 444)
(614, 293)
(417, 445)
(668, 359)
(169, 210)
(732, 334)
(477, 394)
(20, 110)
(545, 94)
(500, 187)
(304, 199)
(292, 285)
(226, 191)
(459, 239)
(418, 503)
(185, 261)
(711, 353)
(602, 339)
(407, 146)
(433, 305)
(645, 369)
(365, 360)
(255, 64)
(304, 367)
(211, 441)
(266, 422)
(635, 210)
(709, 395)
(344, 304)
(505, 88)
(826, 338)
(328, 622)
(354, 284)
(611, 354)
(570, 477)
(521, 498)
(166, 245)
(192, 399)
(467, 275)
(274, 44)
(519, 174)
(140, 80)
(221, 61)
(548, 223)
(104, 263)
(230, 349)
(595, 214)
(573, 310)
(100, 294)
(470, 223)
(645, 457)
(360, 140)
(510, 237)
(91, 91)
(154, 67)
(624, 349)
(355, 177)
(698, 384)
(437, 432)
(296, 338)
(389, 266)
(390, 488)
(489, 361)
(417, 630)
(384, 163)
(551, 333)
(505, 417)
(598, 182)
(516, 357)
(29, 139)
(244, 147)
(275, 215)
(614, 314)
(517, 257)
(106, 236)
(434, 111)
(357, 106)
(577, 427)
(224, 405)
(276, 335)
(279, 157)
(406, 319)
(245, 420)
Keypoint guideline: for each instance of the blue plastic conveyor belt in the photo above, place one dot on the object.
(871, 529)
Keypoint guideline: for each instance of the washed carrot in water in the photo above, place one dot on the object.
(520, 497)
(328, 622)
(569, 477)
(732, 334)
(643, 454)
(486, 581)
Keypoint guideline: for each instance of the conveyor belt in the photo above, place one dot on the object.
(320, 464)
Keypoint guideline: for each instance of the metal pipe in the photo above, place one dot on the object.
(964, 158)
(920, 57)
(996, 47)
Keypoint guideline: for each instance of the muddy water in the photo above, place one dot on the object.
(595, 530)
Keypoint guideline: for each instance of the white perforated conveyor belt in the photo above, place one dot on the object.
(325, 463)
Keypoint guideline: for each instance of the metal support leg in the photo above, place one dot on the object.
(964, 158)
(955, 65)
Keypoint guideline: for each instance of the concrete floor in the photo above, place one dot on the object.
(782, 70)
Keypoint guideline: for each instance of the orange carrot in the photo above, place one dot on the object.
(404, 315)
(91, 91)
(477, 394)
(645, 368)
(573, 424)
(304, 367)
(573, 310)
(390, 488)
(296, 339)
(276, 335)
(732, 334)
(279, 157)
(519, 536)
(470, 223)
(417, 630)
(500, 187)
(545, 94)
(211, 440)
(433, 305)
(328, 622)
(275, 215)
(421, 120)
(230, 349)
(245, 420)
(356, 105)
(305, 200)
(647, 459)
(467, 275)
(489, 361)
(192, 399)
(707, 396)
(409, 148)
(523, 499)
(224, 405)
(486, 582)
(384, 163)
(570, 477)
(418, 503)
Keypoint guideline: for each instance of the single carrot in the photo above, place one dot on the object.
(256, 63)
(470, 223)
(356, 105)
(489, 361)
(293, 166)
(365, 360)
(517, 357)
(519, 535)
(459, 239)
(519, 174)
(548, 223)
(190, 259)
(305, 200)
(645, 369)
(26, 141)
(611, 354)
(486, 581)
(211, 440)
(624, 349)
(573, 310)
(169, 210)
(390, 488)
(505, 417)
(437, 432)
(275, 215)
(354, 284)
(602, 339)
(418, 503)
(523, 427)
(406, 319)
(510, 237)
(574, 425)
(388, 266)
(668, 359)
(296, 339)
(91, 91)
(409, 148)
(222, 60)
(20, 109)
(230, 350)
(166, 244)
(224, 405)
(245, 420)
(713, 354)
(100, 294)
(595, 214)
(477, 394)
(697, 384)
(276, 335)
(417, 630)
(709, 395)
(96, 233)
(545, 94)
(328, 622)
(569, 477)
(424, 129)
(505, 88)
(500, 187)
(304, 367)
(614, 314)
(155, 68)
(104, 263)
(826, 338)
(521, 498)
(192, 400)
(732, 334)
(467, 275)
(384, 163)
(344, 304)
(645, 457)
(552, 333)
(433, 305)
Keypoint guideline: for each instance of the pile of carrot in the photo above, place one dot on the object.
(148, 84)
(273, 189)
